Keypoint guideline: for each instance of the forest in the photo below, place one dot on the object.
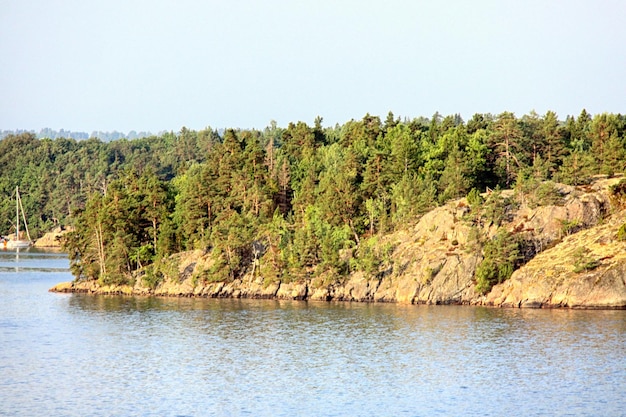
(307, 200)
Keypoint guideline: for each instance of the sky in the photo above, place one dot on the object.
(154, 65)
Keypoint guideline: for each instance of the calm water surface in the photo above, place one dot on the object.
(78, 355)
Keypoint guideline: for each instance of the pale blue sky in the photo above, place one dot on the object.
(159, 65)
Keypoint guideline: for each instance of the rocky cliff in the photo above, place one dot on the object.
(585, 270)
(52, 239)
(574, 260)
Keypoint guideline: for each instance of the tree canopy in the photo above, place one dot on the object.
(307, 198)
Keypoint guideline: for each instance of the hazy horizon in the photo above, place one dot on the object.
(159, 66)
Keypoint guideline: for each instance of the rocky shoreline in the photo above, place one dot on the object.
(433, 263)
(513, 294)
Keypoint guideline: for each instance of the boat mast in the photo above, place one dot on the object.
(24, 218)
(17, 213)
(18, 206)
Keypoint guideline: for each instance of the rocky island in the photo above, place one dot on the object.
(572, 254)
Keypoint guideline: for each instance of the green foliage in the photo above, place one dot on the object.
(276, 237)
(606, 144)
(412, 196)
(311, 197)
(374, 209)
(494, 207)
(583, 261)
(621, 233)
(500, 259)
(569, 227)
(507, 140)
(152, 277)
(118, 231)
(371, 256)
(461, 164)
(578, 168)
(617, 195)
(329, 240)
(534, 192)
(232, 239)
(548, 194)
(474, 199)
(431, 272)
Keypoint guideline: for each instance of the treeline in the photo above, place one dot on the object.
(47, 133)
(56, 177)
(287, 202)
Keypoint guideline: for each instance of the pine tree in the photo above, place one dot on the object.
(506, 142)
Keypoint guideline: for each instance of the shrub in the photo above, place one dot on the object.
(547, 193)
(494, 208)
(152, 277)
(617, 195)
(501, 257)
(569, 227)
(536, 193)
(584, 261)
(474, 199)
(371, 256)
(490, 273)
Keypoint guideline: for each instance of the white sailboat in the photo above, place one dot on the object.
(16, 241)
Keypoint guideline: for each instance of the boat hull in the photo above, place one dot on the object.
(17, 244)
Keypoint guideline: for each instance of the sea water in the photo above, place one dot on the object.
(82, 355)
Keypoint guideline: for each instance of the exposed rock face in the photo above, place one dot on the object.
(587, 269)
(52, 239)
(434, 262)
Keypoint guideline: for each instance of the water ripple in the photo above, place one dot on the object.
(103, 355)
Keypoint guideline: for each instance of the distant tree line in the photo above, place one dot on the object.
(288, 202)
(47, 133)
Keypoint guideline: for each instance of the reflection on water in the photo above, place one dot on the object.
(111, 355)
(349, 358)
(32, 259)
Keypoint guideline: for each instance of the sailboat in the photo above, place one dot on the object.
(16, 241)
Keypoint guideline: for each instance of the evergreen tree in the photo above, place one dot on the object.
(506, 143)
(553, 149)
(297, 199)
(501, 257)
(605, 143)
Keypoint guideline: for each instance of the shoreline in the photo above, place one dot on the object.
(436, 262)
(301, 293)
